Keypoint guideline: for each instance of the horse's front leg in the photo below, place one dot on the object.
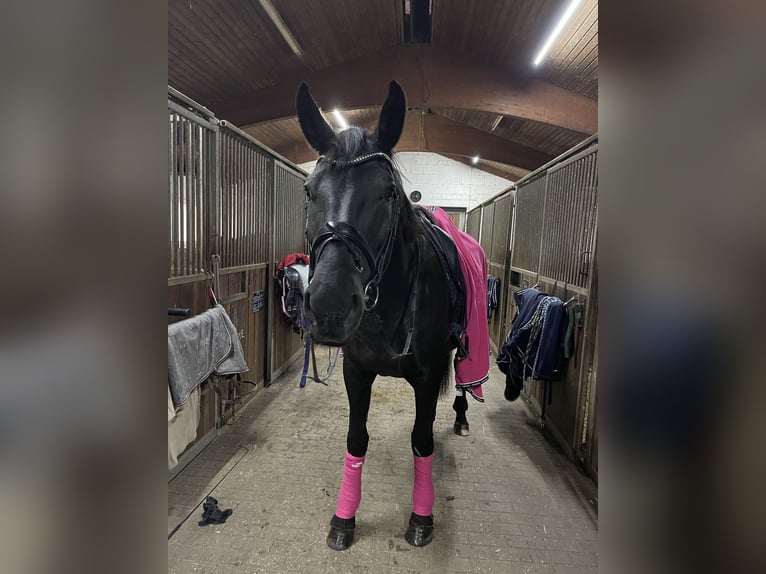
(358, 388)
(421, 526)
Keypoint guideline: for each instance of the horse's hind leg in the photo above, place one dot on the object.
(343, 523)
(421, 526)
(461, 407)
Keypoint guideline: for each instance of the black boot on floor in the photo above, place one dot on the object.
(212, 514)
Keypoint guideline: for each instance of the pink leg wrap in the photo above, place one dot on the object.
(423, 487)
(351, 488)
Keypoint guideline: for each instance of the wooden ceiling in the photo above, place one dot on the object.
(471, 87)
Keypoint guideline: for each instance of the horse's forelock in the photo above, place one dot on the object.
(355, 141)
(349, 144)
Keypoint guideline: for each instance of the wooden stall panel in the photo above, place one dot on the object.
(488, 215)
(527, 233)
(290, 225)
(289, 237)
(570, 220)
(257, 322)
(223, 218)
(501, 227)
(191, 171)
(473, 223)
(498, 258)
(562, 410)
(496, 325)
(553, 248)
(244, 217)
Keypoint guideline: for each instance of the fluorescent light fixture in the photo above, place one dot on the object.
(496, 123)
(475, 160)
(272, 13)
(339, 118)
(557, 30)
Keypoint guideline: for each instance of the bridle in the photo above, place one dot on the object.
(356, 244)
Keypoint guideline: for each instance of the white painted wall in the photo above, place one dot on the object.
(444, 181)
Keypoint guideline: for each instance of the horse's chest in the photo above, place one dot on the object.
(375, 357)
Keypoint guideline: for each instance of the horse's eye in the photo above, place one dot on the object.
(308, 193)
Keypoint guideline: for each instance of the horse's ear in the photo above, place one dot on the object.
(391, 119)
(316, 130)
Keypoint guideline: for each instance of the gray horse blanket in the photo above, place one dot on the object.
(198, 347)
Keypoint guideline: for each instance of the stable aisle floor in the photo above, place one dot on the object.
(506, 500)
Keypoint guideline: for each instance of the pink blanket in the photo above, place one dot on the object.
(472, 371)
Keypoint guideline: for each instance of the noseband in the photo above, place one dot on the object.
(356, 244)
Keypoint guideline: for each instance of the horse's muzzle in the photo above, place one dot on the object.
(333, 317)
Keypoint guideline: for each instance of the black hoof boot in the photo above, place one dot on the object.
(420, 532)
(462, 429)
(341, 533)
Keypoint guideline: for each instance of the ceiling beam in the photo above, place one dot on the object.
(434, 133)
(514, 175)
(431, 77)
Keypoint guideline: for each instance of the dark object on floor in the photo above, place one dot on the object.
(212, 514)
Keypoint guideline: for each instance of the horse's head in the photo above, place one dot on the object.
(353, 205)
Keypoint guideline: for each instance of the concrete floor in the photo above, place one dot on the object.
(506, 500)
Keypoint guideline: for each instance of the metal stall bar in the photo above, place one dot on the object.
(542, 227)
(195, 211)
(191, 185)
(182, 168)
(579, 220)
(271, 296)
(208, 123)
(172, 192)
(214, 207)
(503, 215)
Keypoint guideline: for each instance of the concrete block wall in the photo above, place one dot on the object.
(443, 181)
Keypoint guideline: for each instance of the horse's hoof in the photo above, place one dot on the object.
(341, 533)
(420, 534)
(462, 429)
(338, 539)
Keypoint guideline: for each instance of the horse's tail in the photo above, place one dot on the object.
(444, 384)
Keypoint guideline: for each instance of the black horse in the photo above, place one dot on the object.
(377, 287)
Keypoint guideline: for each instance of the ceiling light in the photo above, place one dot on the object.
(475, 160)
(272, 13)
(557, 30)
(339, 118)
